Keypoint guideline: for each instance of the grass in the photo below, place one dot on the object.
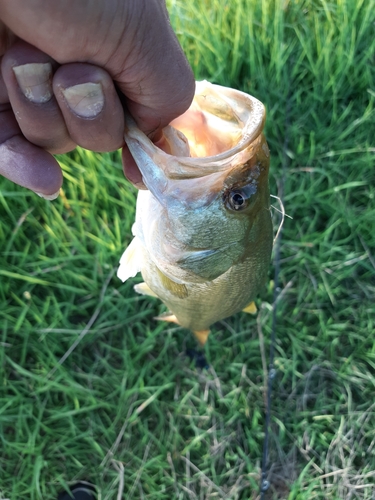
(126, 410)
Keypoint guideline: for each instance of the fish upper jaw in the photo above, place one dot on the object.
(190, 193)
(153, 177)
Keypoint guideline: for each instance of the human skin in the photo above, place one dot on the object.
(68, 70)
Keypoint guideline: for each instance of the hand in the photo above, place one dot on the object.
(67, 70)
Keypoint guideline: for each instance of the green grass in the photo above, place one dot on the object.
(126, 410)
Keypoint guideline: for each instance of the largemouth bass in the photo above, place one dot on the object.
(203, 233)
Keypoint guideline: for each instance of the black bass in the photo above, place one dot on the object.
(203, 233)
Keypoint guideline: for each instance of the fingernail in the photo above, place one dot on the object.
(34, 80)
(85, 100)
(49, 197)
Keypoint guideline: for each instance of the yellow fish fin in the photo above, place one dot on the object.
(177, 289)
(130, 262)
(250, 308)
(168, 316)
(144, 289)
(201, 336)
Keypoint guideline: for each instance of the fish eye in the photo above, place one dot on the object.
(236, 200)
(239, 199)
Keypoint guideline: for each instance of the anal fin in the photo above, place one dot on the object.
(176, 289)
(250, 308)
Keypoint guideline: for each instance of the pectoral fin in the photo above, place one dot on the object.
(131, 261)
(177, 289)
(250, 308)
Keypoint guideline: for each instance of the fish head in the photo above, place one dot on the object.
(207, 209)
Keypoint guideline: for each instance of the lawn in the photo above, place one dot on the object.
(93, 389)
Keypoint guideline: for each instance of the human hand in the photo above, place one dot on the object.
(61, 61)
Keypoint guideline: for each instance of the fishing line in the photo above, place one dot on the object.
(264, 483)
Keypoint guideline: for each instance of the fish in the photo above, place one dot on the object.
(203, 233)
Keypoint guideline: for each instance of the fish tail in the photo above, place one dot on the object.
(201, 336)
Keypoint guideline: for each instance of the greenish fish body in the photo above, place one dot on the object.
(203, 233)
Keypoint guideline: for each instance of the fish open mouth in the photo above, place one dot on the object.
(219, 120)
(220, 128)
